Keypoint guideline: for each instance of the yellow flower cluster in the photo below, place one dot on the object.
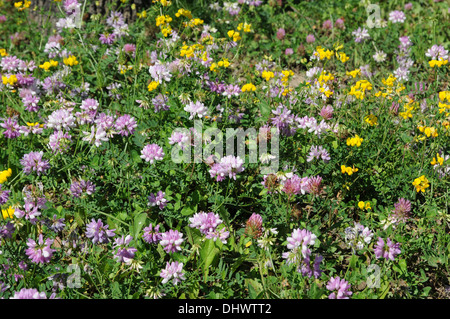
(234, 35)
(4, 175)
(354, 141)
(437, 63)
(47, 65)
(193, 22)
(444, 96)
(428, 131)
(286, 75)
(437, 160)
(22, 5)
(342, 57)
(152, 86)
(163, 21)
(224, 63)
(324, 78)
(354, 73)
(184, 13)
(371, 119)
(408, 109)
(3, 52)
(142, 14)
(189, 51)
(248, 87)
(363, 205)
(246, 27)
(267, 75)
(164, 3)
(70, 60)
(35, 124)
(11, 80)
(359, 89)
(421, 183)
(348, 170)
(323, 54)
(389, 88)
(8, 213)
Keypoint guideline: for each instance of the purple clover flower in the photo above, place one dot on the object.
(397, 16)
(307, 270)
(228, 166)
(40, 252)
(6, 230)
(317, 152)
(340, 288)
(99, 232)
(300, 239)
(107, 38)
(152, 152)
(361, 35)
(30, 293)
(4, 195)
(77, 188)
(56, 224)
(174, 271)
(33, 162)
(152, 235)
(61, 119)
(30, 211)
(158, 200)
(11, 126)
(171, 241)
(160, 103)
(196, 108)
(125, 125)
(59, 142)
(124, 253)
(208, 224)
(386, 249)
(254, 226)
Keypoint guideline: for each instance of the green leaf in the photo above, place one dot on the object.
(139, 222)
(255, 289)
(136, 157)
(353, 261)
(187, 211)
(208, 254)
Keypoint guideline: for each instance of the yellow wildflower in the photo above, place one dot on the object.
(348, 170)
(354, 73)
(70, 61)
(152, 86)
(354, 141)
(248, 87)
(267, 75)
(421, 183)
(8, 213)
(4, 175)
(371, 119)
(439, 160)
(437, 63)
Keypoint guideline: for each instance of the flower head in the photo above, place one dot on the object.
(386, 249)
(340, 288)
(33, 162)
(40, 252)
(151, 234)
(152, 152)
(171, 241)
(174, 271)
(421, 183)
(99, 232)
